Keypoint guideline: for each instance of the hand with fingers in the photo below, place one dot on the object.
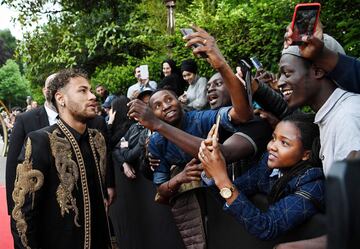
(269, 117)
(312, 46)
(111, 193)
(191, 172)
(209, 47)
(112, 114)
(183, 98)
(153, 161)
(142, 113)
(211, 157)
(129, 171)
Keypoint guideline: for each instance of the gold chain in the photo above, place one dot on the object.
(84, 184)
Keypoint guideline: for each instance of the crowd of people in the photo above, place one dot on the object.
(137, 166)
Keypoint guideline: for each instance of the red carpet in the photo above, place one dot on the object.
(6, 241)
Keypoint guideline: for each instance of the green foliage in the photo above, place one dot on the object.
(341, 20)
(7, 46)
(13, 86)
(114, 78)
(108, 38)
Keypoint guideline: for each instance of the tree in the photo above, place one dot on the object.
(13, 86)
(112, 36)
(7, 45)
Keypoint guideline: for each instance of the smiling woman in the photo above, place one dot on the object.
(290, 174)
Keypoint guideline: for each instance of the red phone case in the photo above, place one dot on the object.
(299, 33)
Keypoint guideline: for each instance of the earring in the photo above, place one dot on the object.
(62, 104)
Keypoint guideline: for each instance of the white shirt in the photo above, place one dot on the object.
(197, 93)
(339, 123)
(138, 86)
(52, 115)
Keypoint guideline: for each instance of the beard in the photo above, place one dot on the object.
(84, 117)
(80, 114)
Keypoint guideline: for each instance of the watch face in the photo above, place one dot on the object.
(226, 193)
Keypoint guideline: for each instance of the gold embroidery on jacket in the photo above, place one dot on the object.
(84, 183)
(68, 173)
(100, 146)
(28, 181)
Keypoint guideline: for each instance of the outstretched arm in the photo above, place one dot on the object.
(241, 111)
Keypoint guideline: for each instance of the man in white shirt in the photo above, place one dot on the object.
(25, 123)
(302, 83)
(135, 89)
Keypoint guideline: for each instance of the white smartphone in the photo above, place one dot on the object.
(144, 72)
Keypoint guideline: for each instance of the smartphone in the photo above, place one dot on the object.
(256, 63)
(188, 31)
(304, 21)
(246, 71)
(144, 72)
(245, 67)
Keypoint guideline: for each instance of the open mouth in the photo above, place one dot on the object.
(170, 114)
(212, 99)
(286, 93)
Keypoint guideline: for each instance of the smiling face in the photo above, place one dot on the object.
(217, 93)
(166, 69)
(79, 101)
(286, 148)
(296, 82)
(188, 77)
(166, 107)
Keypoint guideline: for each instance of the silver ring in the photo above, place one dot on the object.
(204, 42)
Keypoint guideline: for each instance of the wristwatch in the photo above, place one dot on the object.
(227, 192)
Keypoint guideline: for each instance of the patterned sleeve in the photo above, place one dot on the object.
(26, 197)
(287, 213)
(248, 182)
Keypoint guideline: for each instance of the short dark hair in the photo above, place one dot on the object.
(163, 89)
(99, 85)
(134, 71)
(61, 79)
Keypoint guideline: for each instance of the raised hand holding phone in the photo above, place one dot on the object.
(213, 134)
(304, 21)
(144, 72)
(209, 47)
(188, 31)
(210, 155)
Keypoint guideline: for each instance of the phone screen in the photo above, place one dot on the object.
(144, 72)
(186, 31)
(304, 21)
(257, 64)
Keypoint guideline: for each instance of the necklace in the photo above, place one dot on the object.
(80, 160)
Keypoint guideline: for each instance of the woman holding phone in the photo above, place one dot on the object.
(289, 174)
